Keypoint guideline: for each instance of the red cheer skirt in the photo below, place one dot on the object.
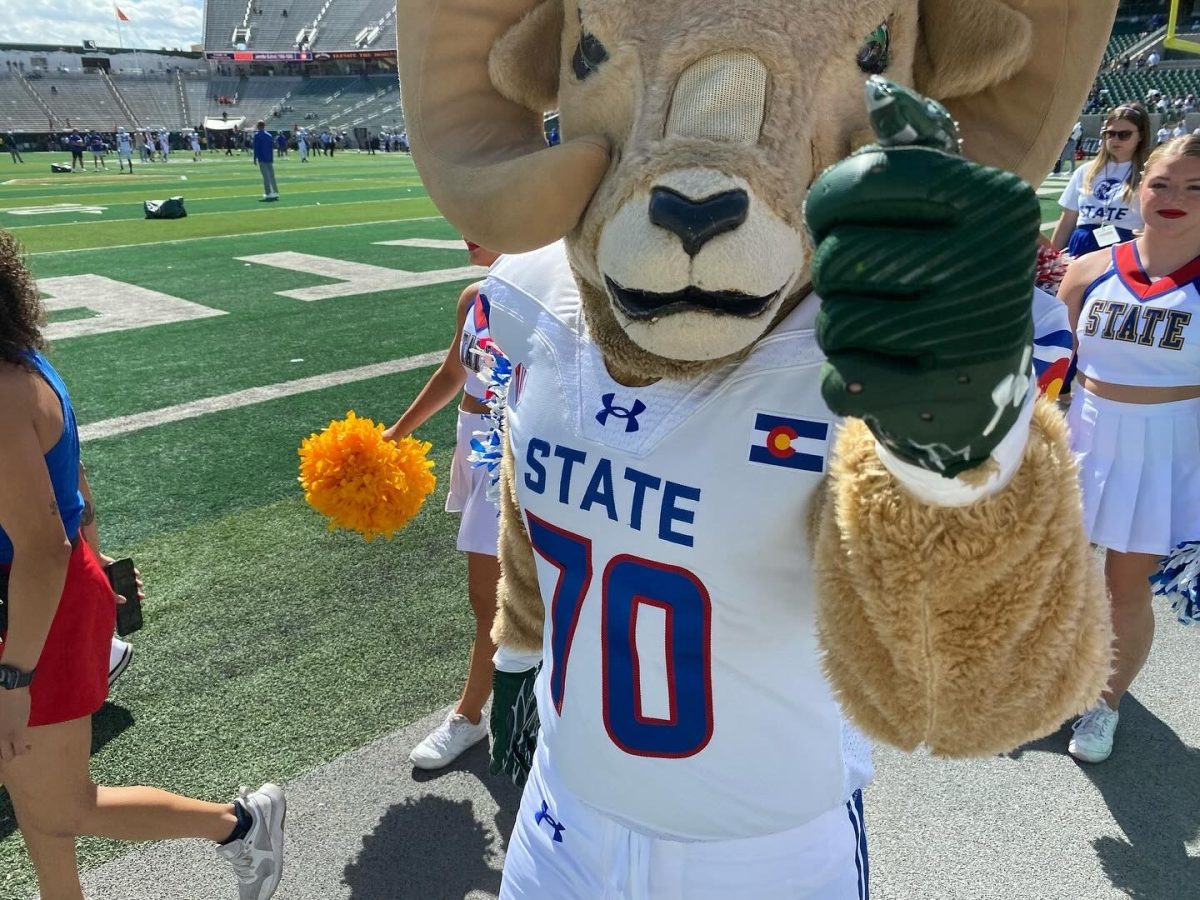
(72, 673)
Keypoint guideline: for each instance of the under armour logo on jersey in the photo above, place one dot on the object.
(544, 816)
(620, 412)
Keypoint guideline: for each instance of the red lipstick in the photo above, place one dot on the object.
(1172, 213)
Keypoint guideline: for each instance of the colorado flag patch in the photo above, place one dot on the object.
(793, 443)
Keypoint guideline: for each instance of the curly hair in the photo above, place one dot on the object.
(20, 308)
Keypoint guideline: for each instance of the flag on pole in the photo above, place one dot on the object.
(121, 17)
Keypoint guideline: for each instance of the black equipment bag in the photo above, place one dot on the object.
(165, 209)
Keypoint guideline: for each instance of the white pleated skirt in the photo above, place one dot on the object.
(479, 529)
(1139, 468)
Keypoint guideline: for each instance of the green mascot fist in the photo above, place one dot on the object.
(924, 264)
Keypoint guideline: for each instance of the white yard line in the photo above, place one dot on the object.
(215, 212)
(139, 421)
(240, 234)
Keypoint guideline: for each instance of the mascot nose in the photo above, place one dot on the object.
(696, 222)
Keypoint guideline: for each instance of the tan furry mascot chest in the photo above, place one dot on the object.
(960, 612)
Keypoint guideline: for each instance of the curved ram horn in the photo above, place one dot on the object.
(482, 157)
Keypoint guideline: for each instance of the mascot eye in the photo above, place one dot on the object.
(589, 54)
(872, 56)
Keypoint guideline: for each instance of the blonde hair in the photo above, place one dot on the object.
(1135, 115)
(1186, 145)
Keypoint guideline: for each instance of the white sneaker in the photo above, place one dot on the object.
(119, 655)
(1094, 733)
(257, 859)
(447, 742)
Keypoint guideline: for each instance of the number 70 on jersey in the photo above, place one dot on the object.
(628, 585)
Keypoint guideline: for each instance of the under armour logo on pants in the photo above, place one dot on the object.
(544, 816)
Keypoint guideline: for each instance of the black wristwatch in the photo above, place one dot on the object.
(12, 678)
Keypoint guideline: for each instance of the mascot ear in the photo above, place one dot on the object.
(524, 62)
(1014, 73)
(967, 46)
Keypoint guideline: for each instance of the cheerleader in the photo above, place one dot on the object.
(1099, 206)
(1135, 415)
(479, 530)
(55, 642)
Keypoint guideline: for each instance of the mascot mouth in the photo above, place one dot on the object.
(645, 305)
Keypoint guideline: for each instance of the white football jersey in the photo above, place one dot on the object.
(681, 690)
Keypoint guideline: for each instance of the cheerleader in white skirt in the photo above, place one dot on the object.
(1135, 413)
(478, 531)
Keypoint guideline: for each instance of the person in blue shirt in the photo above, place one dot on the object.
(99, 148)
(281, 143)
(264, 156)
(54, 643)
(75, 145)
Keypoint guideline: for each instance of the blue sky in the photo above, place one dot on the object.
(152, 23)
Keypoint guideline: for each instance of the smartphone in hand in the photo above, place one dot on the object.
(123, 579)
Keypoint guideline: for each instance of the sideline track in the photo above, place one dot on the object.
(1032, 825)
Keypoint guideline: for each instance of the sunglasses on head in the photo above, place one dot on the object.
(1121, 134)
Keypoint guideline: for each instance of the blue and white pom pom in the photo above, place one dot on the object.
(487, 445)
(1178, 580)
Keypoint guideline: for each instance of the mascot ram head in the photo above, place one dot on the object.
(692, 131)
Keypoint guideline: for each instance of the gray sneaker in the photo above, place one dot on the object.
(1093, 738)
(257, 859)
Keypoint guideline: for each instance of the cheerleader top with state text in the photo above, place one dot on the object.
(1137, 331)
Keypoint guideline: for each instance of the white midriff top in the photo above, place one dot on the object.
(474, 328)
(1139, 332)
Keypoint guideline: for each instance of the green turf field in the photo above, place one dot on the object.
(271, 645)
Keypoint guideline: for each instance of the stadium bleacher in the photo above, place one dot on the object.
(79, 101)
(220, 19)
(256, 98)
(1124, 36)
(1176, 76)
(338, 23)
(85, 101)
(1125, 87)
(154, 100)
(19, 111)
(345, 82)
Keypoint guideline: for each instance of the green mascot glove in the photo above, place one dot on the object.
(514, 724)
(924, 264)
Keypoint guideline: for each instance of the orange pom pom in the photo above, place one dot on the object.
(363, 482)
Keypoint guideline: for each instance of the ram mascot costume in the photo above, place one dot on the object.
(773, 460)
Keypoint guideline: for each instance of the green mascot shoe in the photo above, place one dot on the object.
(514, 724)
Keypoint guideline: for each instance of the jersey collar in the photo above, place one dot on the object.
(1133, 275)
